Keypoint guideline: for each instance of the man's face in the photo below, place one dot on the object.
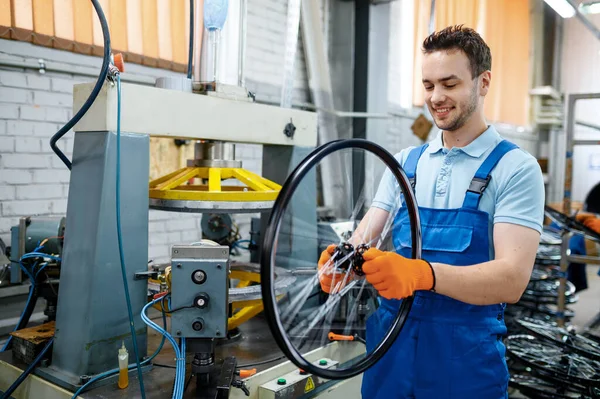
(451, 93)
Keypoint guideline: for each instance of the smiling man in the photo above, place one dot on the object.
(481, 204)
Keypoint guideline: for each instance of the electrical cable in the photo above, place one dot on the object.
(95, 91)
(180, 308)
(170, 311)
(120, 242)
(27, 371)
(187, 384)
(191, 48)
(241, 366)
(112, 372)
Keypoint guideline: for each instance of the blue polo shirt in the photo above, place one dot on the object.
(514, 195)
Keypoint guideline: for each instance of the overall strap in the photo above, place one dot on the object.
(483, 175)
(410, 166)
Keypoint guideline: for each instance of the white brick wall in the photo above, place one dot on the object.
(33, 181)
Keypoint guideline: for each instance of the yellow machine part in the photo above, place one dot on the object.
(242, 310)
(173, 186)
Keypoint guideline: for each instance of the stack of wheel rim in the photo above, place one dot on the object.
(548, 361)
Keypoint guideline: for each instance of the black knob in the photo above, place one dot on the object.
(199, 276)
(197, 325)
(201, 301)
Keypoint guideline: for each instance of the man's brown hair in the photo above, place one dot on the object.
(464, 39)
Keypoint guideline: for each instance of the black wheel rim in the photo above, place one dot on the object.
(553, 360)
(542, 388)
(578, 343)
(569, 223)
(271, 233)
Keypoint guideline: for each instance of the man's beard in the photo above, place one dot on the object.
(469, 109)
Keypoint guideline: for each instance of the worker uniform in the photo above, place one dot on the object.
(447, 348)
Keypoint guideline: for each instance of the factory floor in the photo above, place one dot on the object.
(588, 305)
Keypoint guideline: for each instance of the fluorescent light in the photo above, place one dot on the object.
(592, 7)
(562, 7)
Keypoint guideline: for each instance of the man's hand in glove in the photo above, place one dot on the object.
(332, 281)
(397, 277)
(590, 221)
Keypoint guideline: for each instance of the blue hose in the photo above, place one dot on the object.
(31, 288)
(112, 372)
(28, 370)
(180, 364)
(120, 240)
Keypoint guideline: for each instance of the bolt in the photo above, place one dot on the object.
(218, 333)
(201, 302)
(224, 252)
(84, 379)
(179, 265)
(178, 332)
(219, 266)
(176, 251)
(289, 129)
(199, 277)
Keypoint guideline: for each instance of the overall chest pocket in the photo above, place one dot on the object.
(438, 238)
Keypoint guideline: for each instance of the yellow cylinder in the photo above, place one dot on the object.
(123, 363)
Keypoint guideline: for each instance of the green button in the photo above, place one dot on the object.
(281, 381)
(322, 362)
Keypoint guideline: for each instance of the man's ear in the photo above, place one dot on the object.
(484, 82)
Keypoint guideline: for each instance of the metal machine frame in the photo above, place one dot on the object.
(566, 256)
(87, 334)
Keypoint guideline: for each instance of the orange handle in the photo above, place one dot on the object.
(119, 62)
(338, 337)
(247, 373)
(160, 294)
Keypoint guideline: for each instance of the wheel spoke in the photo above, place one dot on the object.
(302, 318)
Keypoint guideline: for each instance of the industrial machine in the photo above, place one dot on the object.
(91, 316)
(101, 307)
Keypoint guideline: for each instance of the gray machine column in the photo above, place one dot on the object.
(297, 240)
(92, 318)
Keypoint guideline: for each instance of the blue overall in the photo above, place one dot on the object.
(447, 348)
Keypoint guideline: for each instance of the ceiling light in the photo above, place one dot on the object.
(591, 7)
(562, 7)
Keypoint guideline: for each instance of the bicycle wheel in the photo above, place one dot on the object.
(571, 224)
(305, 319)
(535, 387)
(538, 275)
(577, 343)
(550, 359)
(548, 289)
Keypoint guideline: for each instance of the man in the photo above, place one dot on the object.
(481, 204)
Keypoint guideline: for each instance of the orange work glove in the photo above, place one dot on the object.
(330, 279)
(397, 277)
(582, 217)
(592, 223)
